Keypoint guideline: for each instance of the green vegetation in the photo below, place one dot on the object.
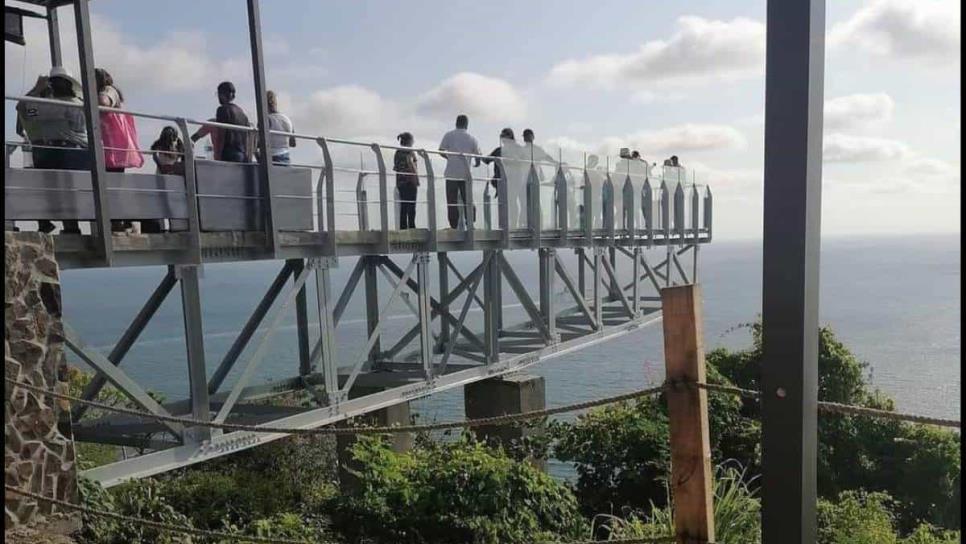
(879, 480)
(456, 492)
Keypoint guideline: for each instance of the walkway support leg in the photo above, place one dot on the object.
(548, 278)
(372, 303)
(302, 320)
(425, 317)
(512, 394)
(194, 340)
(598, 287)
(491, 305)
(691, 476)
(444, 336)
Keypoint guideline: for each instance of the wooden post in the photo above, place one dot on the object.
(691, 476)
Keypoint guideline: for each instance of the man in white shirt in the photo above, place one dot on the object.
(457, 168)
(278, 144)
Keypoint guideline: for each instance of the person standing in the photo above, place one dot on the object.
(61, 131)
(407, 181)
(233, 143)
(118, 135)
(279, 144)
(168, 153)
(457, 172)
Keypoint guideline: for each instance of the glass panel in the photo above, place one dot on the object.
(515, 161)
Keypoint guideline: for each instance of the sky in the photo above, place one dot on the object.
(684, 78)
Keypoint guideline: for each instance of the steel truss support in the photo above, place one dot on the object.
(424, 315)
(490, 271)
(129, 337)
(302, 320)
(326, 354)
(547, 259)
(371, 264)
(521, 292)
(189, 277)
(256, 357)
(577, 294)
(117, 377)
(442, 260)
(245, 335)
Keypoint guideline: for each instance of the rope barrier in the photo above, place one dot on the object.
(494, 420)
(846, 409)
(152, 524)
(823, 406)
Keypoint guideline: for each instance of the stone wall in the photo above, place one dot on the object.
(36, 456)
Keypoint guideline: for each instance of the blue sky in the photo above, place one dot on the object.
(665, 77)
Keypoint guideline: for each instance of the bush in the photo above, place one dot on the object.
(736, 513)
(858, 517)
(139, 499)
(455, 492)
(918, 466)
(622, 451)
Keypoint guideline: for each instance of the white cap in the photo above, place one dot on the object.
(61, 72)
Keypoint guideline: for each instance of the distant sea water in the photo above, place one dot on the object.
(894, 301)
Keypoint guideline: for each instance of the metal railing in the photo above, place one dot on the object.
(521, 198)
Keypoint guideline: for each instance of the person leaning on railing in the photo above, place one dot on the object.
(278, 144)
(232, 145)
(59, 134)
(168, 153)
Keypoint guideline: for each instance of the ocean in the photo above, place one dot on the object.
(894, 301)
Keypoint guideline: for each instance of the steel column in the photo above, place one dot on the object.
(261, 108)
(53, 35)
(327, 353)
(425, 317)
(794, 81)
(372, 304)
(598, 287)
(444, 337)
(302, 321)
(636, 289)
(101, 228)
(195, 343)
(491, 302)
(547, 258)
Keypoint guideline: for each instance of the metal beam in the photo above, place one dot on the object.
(302, 321)
(349, 289)
(245, 335)
(195, 345)
(794, 81)
(163, 461)
(261, 108)
(101, 229)
(53, 36)
(376, 331)
(578, 296)
(120, 380)
(463, 311)
(372, 303)
(327, 347)
(256, 357)
(619, 295)
(425, 317)
(129, 337)
(524, 298)
(442, 260)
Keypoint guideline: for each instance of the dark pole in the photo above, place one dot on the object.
(53, 34)
(794, 80)
(101, 229)
(261, 106)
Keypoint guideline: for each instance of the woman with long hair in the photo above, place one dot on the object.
(118, 134)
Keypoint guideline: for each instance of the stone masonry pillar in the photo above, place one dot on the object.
(36, 456)
(511, 394)
(398, 414)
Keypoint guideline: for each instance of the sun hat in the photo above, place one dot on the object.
(61, 72)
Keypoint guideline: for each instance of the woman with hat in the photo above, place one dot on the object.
(61, 132)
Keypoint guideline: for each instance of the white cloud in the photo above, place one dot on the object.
(176, 63)
(857, 110)
(485, 98)
(848, 148)
(687, 138)
(344, 111)
(924, 29)
(701, 50)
